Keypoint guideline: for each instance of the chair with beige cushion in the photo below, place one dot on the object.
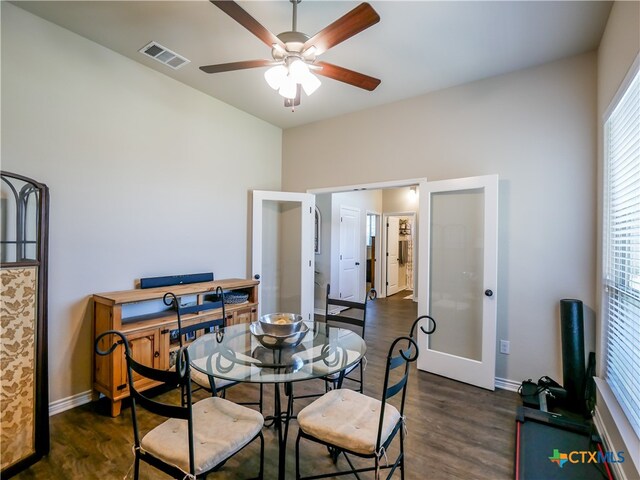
(349, 422)
(206, 317)
(197, 439)
(351, 315)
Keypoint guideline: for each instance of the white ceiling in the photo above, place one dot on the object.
(417, 47)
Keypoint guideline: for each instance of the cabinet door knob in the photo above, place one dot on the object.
(256, 276)
(156, 354)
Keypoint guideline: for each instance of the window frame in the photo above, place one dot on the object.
(613, 411)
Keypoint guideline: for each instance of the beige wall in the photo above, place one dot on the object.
(535, 128)
(619, 47)
(147, 176)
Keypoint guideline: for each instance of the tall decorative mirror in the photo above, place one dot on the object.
(24, 420)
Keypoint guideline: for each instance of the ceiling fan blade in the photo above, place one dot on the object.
(229, 67)
(236, 12)
(357, 20)
(345, 75)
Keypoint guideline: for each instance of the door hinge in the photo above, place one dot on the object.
(309, 262)
(387, 284)
(309, 209)
(340, 257)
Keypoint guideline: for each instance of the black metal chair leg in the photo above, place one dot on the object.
(402, 453)
(261, 473)
(136, 468)
(334, 455)
(298, 456)
(260, 401)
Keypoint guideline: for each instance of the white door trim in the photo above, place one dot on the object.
(369, 186)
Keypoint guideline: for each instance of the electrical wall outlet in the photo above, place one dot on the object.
(504, 347)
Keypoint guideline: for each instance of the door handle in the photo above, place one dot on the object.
(256, 276)
(357, 263)
(488, 293)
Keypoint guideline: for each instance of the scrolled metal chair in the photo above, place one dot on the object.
(350, 423)
(354, 317)
(205, 321)
(222, 428)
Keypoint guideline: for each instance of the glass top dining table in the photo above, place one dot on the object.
(235, 353)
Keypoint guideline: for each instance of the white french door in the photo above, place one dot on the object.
(349, 254)
(283, 251)
(393, 236)
(458, 277)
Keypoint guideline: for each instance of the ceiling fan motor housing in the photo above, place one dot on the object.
(294, 43)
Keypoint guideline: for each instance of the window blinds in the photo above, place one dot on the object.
(622, 251)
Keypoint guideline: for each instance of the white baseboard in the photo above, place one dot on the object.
(68, 403)
(506, 384)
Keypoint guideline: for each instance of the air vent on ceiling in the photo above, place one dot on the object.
(164, 55)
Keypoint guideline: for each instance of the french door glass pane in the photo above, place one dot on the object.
(280, 272)
(456, 283)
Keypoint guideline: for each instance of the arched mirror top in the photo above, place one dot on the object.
(22, 211)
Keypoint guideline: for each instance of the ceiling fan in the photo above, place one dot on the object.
(295, 54)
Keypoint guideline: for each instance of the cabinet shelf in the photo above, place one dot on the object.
(149, 333)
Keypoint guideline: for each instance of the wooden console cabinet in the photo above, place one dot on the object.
(151, 328)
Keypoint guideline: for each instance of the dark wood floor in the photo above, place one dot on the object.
(455, 431)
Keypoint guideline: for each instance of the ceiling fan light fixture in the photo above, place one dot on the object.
(289, 88)
(298, 70)
(276, 76)
(310, 83)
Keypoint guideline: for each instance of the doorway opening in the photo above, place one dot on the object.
(374, 203)
(400, 245)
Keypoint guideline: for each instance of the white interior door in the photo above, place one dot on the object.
(393, 236)
(283, 251)
(349, 253)
(458, 278)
